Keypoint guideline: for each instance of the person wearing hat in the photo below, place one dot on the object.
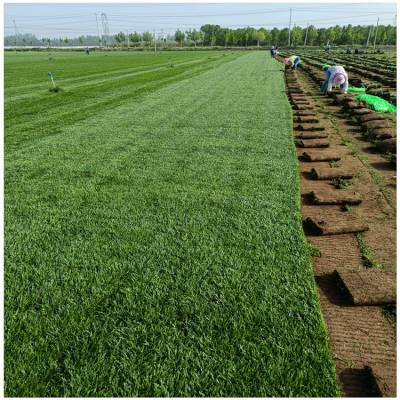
(274, 52)
(293, 61)
(334, 76)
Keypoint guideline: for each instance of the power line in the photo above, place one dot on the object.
(128, 18)
(240, 13)
(175, 24)
(326, 8)
(93, 30)
(245, 24)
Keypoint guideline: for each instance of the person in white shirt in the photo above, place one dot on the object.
(293, 61)
(335, 76)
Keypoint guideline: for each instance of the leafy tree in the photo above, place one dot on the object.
(249, 35)
(322, 38)
(267, 35)
(346, 37)
(226, 34)
(312, 35)
(135, 37)
(179, 36)
(120, 37)
(283, 36)
(232, 37)
(296, 35)
(391, 34)
(213, 39)
(220, 37)
(209, 32)
(193, 35)
(201, 39)
(331, 35)
(216, 36)
(260, 36)
(275, 36)
(196, 36)
(147, 37)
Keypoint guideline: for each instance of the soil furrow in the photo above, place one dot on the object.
(360, 335)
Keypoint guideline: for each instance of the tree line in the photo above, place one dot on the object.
(335, 35)
(215, 35)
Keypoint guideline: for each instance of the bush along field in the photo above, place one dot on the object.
(154, 244)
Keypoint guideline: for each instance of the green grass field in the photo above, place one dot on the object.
(153, 237)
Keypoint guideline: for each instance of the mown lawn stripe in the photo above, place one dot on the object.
(156, 249)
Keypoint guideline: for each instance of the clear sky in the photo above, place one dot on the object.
(61, 19)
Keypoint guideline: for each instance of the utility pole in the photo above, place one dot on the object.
(376, 32)
(369, 35)
(127, 39)
(155, 42)
(305, 39)
(290, 24)
(98, 31)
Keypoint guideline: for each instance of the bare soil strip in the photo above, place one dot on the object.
(341, 197)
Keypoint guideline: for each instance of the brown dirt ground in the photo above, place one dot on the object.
(362, 340)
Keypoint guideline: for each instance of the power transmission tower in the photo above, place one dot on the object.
(98, 31)
(16, 33)
(127, 38)
(376, 32)
(290, 24)
(155, 42)
(106, 32)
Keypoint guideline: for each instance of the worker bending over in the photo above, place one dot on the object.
(293, 61)
(335, 75)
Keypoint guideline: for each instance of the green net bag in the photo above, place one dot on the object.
(354, 89)
(376, 103)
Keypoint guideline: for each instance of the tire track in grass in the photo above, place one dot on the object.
(37, 119)
(166, 257)
(25, 70)
(87, 81)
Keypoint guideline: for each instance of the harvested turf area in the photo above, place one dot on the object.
(154, 246)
